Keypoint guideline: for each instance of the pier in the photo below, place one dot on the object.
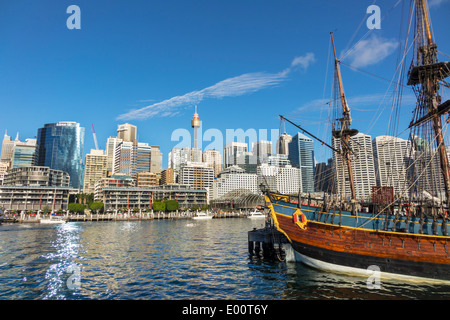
(267, 241)
(72, 217)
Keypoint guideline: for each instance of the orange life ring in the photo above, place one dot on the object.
(299, 219)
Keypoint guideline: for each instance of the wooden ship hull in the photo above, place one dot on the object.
(342, 242)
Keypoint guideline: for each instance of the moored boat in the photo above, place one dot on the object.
(256, 214)
(53, 219)
(202, 216)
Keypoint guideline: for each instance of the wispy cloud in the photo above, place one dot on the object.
(236, 86)
(437, 3)
(371, 51)
(356, 103)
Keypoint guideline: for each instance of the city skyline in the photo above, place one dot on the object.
(259, 61)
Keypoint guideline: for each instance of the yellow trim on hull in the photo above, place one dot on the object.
(274, 217)
(352, 228)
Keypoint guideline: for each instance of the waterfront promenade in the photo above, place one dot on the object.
(132, 216)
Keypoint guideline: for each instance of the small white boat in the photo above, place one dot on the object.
(52, 220)
(202, 216)
(256, 214)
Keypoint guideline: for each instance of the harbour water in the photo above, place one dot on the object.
(168, 260)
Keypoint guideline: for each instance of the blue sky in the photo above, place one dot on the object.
(241, 62)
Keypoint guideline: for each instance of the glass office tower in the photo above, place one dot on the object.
(301, 155)
(60, 147)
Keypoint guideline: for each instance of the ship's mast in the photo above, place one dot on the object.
(344, 133)
(426, 73)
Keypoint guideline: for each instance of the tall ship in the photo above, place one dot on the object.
(402, 234)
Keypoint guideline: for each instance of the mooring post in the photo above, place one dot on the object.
(257, 247)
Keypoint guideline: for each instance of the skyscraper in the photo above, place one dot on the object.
(24, 154)
(213, 158)
(283, 143)
(180, 156)
(60, 147)
(127, 132)
(94, 169)
(196, 174)
(362, 167)
(7, 147)
(232, 151)
(111, 145)
(155, 159)
(392, 158)
(132, 158)
(262, 150)
(301, 155)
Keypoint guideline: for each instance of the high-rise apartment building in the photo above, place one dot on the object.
(60, 147)
(279, 160)
(392, 158)
(362, 167)
(132, 157)
(247, 161)
(213, 159)
(147, 179)
(155, 159)
(197, 175)
(231, 179)
(285, 180)
(123, 158)
(167, 176)
(301, 155)
(95, 164)
(232, 151)
(180, 156)
(427, 172)
(111, 145)
(262, 150)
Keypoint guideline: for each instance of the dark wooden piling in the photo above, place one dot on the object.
(268, 240)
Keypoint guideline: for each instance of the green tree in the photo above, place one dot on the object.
(195, 207)
(159, 206)
(171, 205)
(97, 206)
(76, 207)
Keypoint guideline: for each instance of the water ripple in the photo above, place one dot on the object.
(166, 260)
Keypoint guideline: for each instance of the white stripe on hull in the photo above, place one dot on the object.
(294, 256)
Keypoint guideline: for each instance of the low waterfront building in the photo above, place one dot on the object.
(115, 181)
(34, 198)
(36, 176)
(121, 198)
(4, 166)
